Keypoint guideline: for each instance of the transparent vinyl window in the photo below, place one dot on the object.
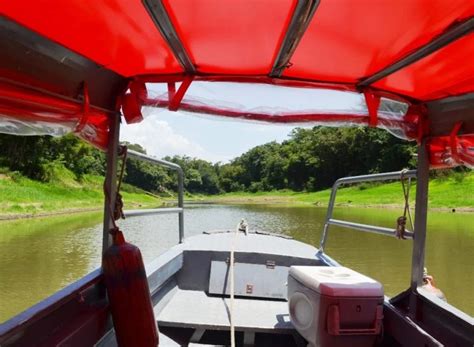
(282, 104)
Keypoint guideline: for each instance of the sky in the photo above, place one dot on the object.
(213, 139)
(165, 133)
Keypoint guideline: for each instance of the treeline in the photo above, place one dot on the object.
(200, 176)
(310, 160)
(43, 158)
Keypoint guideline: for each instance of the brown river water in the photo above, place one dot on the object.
(41, 256)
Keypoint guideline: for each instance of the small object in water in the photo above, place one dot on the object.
(429, 285)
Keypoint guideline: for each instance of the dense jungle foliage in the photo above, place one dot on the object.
(310, 160)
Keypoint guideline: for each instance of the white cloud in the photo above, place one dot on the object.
(160, 139)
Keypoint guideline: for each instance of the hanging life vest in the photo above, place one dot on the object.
(129, 295)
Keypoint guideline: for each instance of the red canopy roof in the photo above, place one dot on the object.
(345, 41)
(417, 50)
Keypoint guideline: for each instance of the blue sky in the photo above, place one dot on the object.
(216, 139)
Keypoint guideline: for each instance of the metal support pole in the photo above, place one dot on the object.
(181, 205)
(110, 184)
(421, 209)
(367, 228)
(356, 179)
(332, 200)
(150, 211)
(179, 170)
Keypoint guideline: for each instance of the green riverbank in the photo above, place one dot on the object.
(445, 193)
(22, 197)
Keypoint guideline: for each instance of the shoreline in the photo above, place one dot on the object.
(13, 217)
(18, 216)
(293, 203)
(27, 199)
(446, 195)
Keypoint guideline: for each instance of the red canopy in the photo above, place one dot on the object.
(417, 51)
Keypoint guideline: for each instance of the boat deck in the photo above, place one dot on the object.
(190, 296)
(194, 301)
(254, 242)
(197, 310)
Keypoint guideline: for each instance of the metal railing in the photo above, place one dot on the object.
(179, 209)
(357, 226)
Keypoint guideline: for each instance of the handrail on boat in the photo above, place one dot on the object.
(180, 208)
(387, 176)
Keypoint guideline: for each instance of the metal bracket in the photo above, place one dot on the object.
(227, 261)
(249, 338)
(270, 264)
(197, 335)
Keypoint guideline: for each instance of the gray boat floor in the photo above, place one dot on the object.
(251, 243)
(195, 309)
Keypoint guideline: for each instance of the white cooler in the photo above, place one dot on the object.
(335, 306)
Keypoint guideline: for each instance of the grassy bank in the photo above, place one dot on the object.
(445, 193)
(20, 196)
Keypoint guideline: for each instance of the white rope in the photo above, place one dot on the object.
(231, 264)
(408, 205)
(406, 194)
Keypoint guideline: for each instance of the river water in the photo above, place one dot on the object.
(40, 256)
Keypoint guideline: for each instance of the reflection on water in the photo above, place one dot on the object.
(40, 256)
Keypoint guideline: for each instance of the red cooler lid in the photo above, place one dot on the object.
(336, 281)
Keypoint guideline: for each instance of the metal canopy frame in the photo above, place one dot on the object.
(302, 16)
(160, 17)
(180, 209)
(421, 214)
(110, 187)
(108, 86)
(451, 35)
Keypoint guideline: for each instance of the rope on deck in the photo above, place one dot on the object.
(231, 264)
(241, 227)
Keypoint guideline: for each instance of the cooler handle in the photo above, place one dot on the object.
(334, 323)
